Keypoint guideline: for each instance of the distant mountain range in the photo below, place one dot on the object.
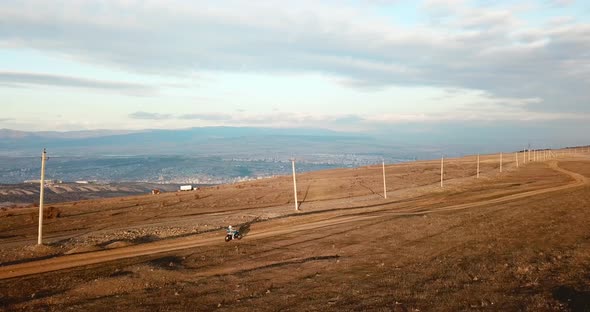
(15, 134)
(200, 141)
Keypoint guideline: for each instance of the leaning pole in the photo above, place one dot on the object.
(295, 185)
(41, 193)
(442, 166)
(384, 185)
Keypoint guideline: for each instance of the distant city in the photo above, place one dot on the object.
(168, 169)
(212, 155)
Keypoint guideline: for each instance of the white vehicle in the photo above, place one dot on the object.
(186, 187)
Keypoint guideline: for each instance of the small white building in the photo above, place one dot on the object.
(186, 187)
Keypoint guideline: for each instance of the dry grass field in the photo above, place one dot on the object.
(513, 241)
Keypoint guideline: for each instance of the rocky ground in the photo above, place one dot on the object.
(27, 194)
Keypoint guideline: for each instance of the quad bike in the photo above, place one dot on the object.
(234, 235)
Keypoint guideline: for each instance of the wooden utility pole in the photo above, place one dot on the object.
(516, 157)
(477, 174)
(529, 156)
(41, 194)
(384, 185)
(442, 166)
(295, 185)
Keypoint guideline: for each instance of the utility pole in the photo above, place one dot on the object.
(295, 185)
(501, 160)
(442, 166)
(516, 157)
(478, 166)
(529, 156)
(384, 185)
(41, 194)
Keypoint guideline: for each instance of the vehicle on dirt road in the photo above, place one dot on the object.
(232, 234)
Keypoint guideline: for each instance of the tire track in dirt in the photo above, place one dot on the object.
(579, 180)
(78, 260)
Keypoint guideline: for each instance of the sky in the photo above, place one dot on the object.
(360, 66)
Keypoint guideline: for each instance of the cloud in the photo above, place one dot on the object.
(207, 116)
(488, 109)
(149, 116)
(494, 48)
(22, 78)
(474, 115)
(561, 3)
